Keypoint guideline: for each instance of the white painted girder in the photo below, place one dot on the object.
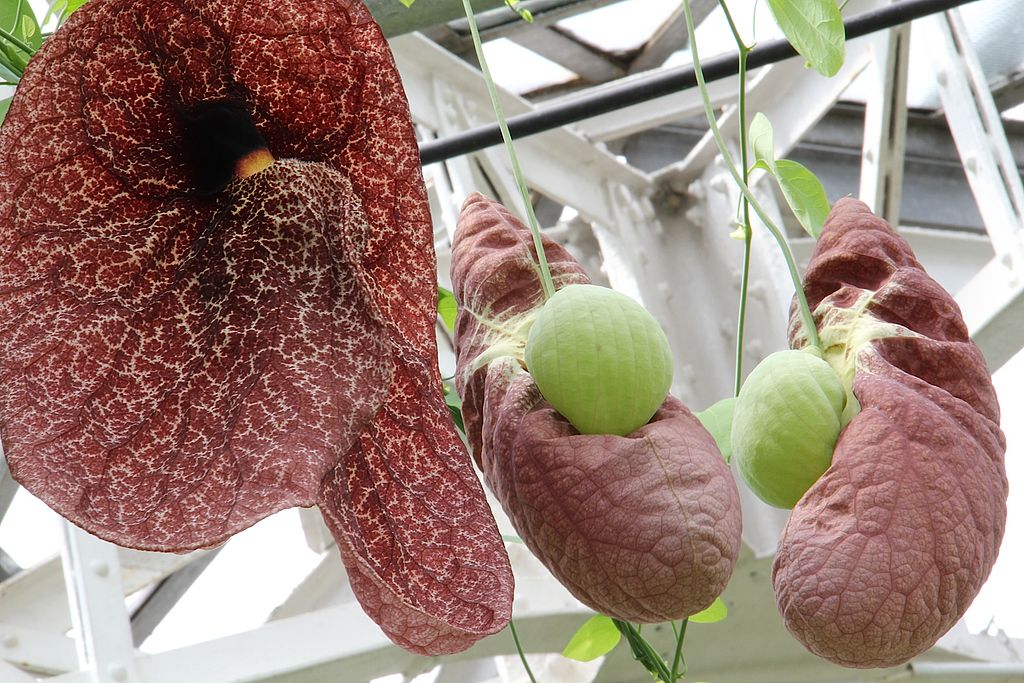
(561, 164)
(646, 115)
(36, 598)
(993, 301)
(993, 307)
(48, 652)
(793, 98)
(8, 487)
(978, 132)
(12, 674)
(885, 124)
(92, 575)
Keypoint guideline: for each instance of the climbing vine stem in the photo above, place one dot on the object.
(519, 649)
(794, 273)
(741, 105)
(545, 271)
(643, 652)
(678, 662)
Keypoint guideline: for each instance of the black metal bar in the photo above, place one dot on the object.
(665, 83)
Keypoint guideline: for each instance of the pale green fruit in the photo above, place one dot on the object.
(600, 359)
(786, 424)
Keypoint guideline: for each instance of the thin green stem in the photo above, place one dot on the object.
(741, 100)
(678, 659)
(643, 652)
(17, 42)
(542, 261)
(519, 649)
(8, 83)
(794, 272)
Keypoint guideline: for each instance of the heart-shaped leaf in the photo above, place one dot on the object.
(447, 307)
(802, 190)
(596, 638)
(715, 612)
(18, 19)
(804, 193)
(815, 29)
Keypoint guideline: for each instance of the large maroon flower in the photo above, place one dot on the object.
(178, 361)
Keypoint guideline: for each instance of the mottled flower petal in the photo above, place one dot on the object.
(175, 366)
(887, 550)
(644, 527)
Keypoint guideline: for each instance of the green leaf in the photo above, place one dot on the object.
(12, 60)
(761, 141)
(63, 9)
(595, 638)
(804, 193)
(815, 28)
(18, 19)
(524, 14)
(407, 3)
(454, 402)
(447, 307)
(717, 419)
(5, 104)
(714, 612)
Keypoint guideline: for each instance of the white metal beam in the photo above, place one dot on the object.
(979, 136)
(885, 124)
(993, 307)
(11, 674)
(793, 98)
(37, 598)
(586, 62)
(645, 115)
(8, 487)
(42, 652)
(342, 643)
(96, 596)
(562, 164)
(671, 36)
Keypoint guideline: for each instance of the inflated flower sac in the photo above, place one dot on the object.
(193, 339)
(643, 527)
(886, 551)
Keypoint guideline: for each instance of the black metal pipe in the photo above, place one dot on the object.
(665, 83)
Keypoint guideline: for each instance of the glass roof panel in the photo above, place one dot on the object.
(621, 27)
(521, 70)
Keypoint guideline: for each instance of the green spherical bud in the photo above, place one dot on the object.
(600, 359)
(786, 424)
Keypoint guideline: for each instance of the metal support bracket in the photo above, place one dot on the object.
(885, 125)
(979, 136)
(96, 598)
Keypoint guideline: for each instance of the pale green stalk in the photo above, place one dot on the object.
(794, 272)
(741, 101)
(16, 42)
(545, 271)
(519, 649)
